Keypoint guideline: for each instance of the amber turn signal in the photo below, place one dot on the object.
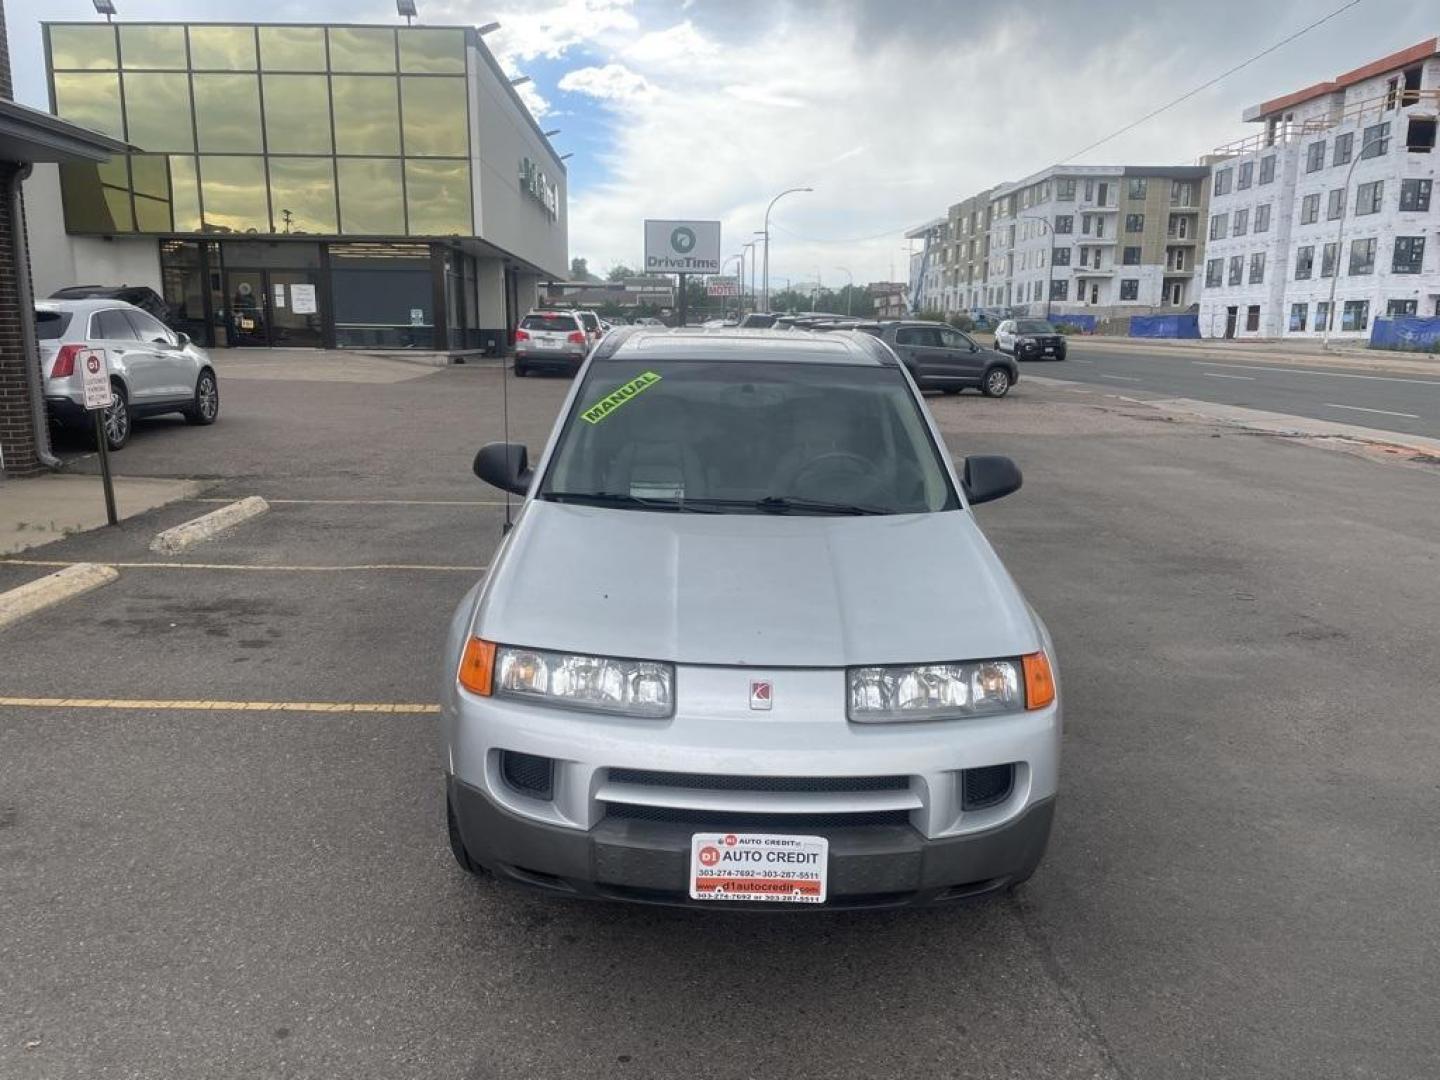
(477, 666)
(1039, 682)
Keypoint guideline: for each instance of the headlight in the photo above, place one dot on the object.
(626, 687)
(1025, 341)
(936, 691)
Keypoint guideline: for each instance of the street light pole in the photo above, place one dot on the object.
(849, 289)
(766, 281)
(1340, 238)
(1049, 261)
(750, 247)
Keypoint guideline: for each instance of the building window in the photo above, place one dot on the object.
(371, 196)
(1224, 180)
(1304, 262)
(156, 48)
(1059, 290)
(1064, 223)
(1242, 222)
(1262, 218)
(1267, 169)
(1409, 255)
(1246, 175)
(1129, 288)
(1323, 321)
(292, 48)
(1376, 140)
(1335, 204)
(233, 191)
(1315, 156)
(1298, 314)
(1134, 223)
(1396, 308)
(222, 48)
(1237, 270)
(1328, 257)
(1420, 135)
(1309, 209)
(1214, 273)
(1182, 193)
(297, 114)
(1415, 195)
(1257, 268)
(1344, 149)
(1137, 187)
(1131, 256)
(1355, 315)
(302, 190)
(1219, 224)
(432, 110)
(157, 111)
(1252, 318)
(367, 114)
(1369, 198)
(1362, 257)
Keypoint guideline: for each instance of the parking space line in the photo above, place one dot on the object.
(423, 567)
(1118, 378)
(1220, 375)
(370, 502)
(1380, 412)
(200, 705)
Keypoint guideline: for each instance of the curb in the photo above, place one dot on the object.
(51, 589)
(174, 541)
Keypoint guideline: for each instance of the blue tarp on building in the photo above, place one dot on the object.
(1413, 332)
(1084, 323)
(1165, 326)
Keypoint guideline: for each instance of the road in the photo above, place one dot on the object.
(1241, 881)
(1399, 401)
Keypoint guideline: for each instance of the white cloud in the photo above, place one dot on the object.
(674, 47)
(613, 82)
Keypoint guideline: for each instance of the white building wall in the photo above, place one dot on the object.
(1282, 290)
(57, 259)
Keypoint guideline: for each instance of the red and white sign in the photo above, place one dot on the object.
(95, 377)
(722, 286)
(755, 866)
(762, 694)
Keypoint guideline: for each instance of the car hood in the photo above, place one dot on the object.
(753, 590)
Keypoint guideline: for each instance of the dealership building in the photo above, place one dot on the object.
(302, 186)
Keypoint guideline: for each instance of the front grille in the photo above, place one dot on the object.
(721, 819)
(528, 774)
(715, 782)
(987, 787)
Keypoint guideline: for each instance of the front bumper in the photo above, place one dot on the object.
(649, 862)
(1027, 352)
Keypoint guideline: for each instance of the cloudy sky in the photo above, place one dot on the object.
(890, 109)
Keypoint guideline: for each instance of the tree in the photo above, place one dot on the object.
(619, 272)
(579, 269)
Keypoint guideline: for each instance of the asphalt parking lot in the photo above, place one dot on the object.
(1242, 881)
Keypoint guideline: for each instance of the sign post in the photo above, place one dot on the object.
(95, 378)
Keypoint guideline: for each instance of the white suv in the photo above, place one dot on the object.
(746, 644)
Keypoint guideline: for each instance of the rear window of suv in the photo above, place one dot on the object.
(554, 324)
(50, 325)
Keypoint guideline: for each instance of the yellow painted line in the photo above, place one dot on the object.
(247, 566)
(174, 705)
(370, 502)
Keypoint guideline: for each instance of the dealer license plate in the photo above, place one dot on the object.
(759, 866)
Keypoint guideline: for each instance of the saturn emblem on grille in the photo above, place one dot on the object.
(760, 694)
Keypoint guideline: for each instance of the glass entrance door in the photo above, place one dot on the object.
(273, 308)
(246, 320)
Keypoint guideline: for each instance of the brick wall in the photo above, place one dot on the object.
(17, 433)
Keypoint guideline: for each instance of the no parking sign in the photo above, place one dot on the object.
(95, 374)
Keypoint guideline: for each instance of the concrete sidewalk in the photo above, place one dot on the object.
(40, 509)
(1346, 354)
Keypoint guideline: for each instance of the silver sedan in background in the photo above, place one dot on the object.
(153, 369)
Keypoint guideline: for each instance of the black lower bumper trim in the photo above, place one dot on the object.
(649, 862)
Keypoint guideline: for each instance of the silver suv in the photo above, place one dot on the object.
(746, 644)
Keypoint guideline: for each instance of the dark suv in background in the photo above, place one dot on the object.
(142, 296)
(939, 357)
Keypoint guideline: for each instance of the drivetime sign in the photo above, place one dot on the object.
(682, 247)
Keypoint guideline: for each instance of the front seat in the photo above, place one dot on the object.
(657, 459)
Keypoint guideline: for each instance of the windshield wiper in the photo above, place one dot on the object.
(612, 498)
(784, 504)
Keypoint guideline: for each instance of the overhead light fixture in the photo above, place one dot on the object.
(552, 131)
(406, 8)
(520, 80)
(104, 7)
(488, 28)
(569, 155)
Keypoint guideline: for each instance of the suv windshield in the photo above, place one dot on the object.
(1033, 326)
(561, 324)
(748, 437)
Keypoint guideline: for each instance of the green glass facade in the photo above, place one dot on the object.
(323, 131)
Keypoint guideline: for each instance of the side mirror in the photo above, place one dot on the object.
(974, 347)
(182, 338)
(987, 477)
(505, 466)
